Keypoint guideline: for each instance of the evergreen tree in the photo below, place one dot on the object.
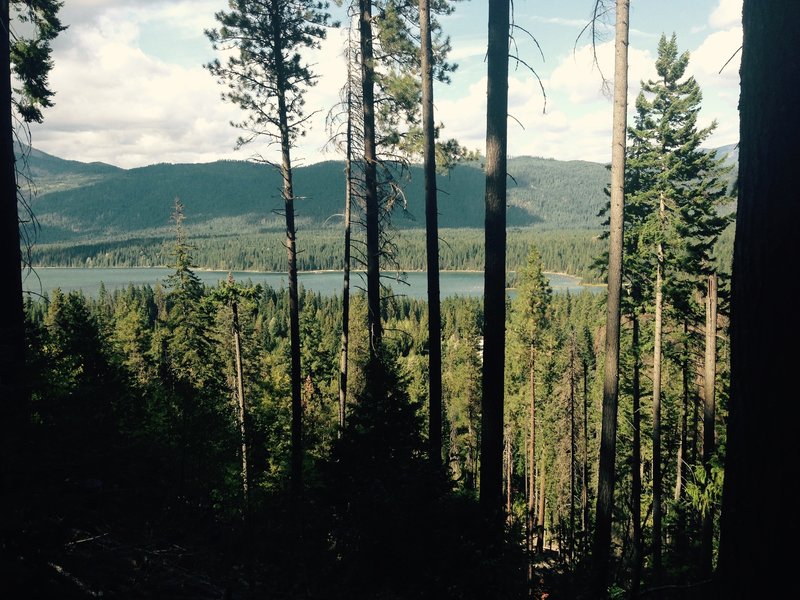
(606, 468)
(27, 28)
(529, 319)
(675, 189)
(268, 71)
(495, 268)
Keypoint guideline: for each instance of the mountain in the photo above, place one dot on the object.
(78, 200)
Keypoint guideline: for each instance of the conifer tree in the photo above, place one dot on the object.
(267, 79)
(27, 28)
(675, 189)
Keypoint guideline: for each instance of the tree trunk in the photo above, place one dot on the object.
(237, 345)
(291, 254)
(346, 266)
(540, 511)
(636, 462)
(585, 467)
(532, 450)
(659, 300)
(571, 540)
(680, 468)
(370, 179)
(759, 506)
(431, 240)
(709, 416)
(12, 325)
(608, 438)
(495, 269)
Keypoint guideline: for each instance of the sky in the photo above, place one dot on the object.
(131, 89)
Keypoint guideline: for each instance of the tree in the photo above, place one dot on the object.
(762, 474)
(431, 239)
(28, 60)
(491, 492)
(268, 70)
(677, 188)
(608, 436)
(529, 318)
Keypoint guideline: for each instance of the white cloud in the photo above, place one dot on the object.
(118, 104)
(727, 14)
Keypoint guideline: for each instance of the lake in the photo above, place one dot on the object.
(452, 283)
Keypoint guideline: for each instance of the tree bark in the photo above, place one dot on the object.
(370, 179)
(709, 410)
(759, 505)
(291, 255)
(636, 463)
(657, 355)
(431, 240)
(540, 511)
(12, 325)
(491, 498)
(345, 350)
(237, 345)
(608, 437)
(532, 450)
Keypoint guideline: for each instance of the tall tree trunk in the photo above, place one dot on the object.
(585, 467)
(291, 254)
(636, 462)
(495, 269)
(657, 354)
(608, 437)
(431, 240)
(509, 475)
(532, 450)
(540, 510)
(762, 470)
(348, 194)
(237, 345)
(709, 416)
(572, 445)
(370, 179)
(680, 469)
(12, 325)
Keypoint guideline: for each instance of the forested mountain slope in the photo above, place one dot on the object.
(78, 200)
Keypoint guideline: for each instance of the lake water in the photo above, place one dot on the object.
(452, 283)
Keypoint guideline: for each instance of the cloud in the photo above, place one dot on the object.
(727, 14)
(117, 103)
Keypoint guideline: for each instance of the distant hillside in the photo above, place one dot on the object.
(78, 200)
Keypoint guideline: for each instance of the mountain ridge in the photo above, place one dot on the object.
(77, 200)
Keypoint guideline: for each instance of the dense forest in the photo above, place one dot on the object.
(238, 441)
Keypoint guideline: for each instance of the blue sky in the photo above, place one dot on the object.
(131, 90)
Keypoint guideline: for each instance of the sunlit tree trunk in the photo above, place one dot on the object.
(491, 497)
(608, 436)
(657, 355)
(709, 415)
(540, 510)
(237, 345)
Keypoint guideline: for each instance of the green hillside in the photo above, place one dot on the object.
(90, 201)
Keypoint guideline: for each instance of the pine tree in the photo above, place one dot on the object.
(675, 189)
(267, 79)
(27, 29)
